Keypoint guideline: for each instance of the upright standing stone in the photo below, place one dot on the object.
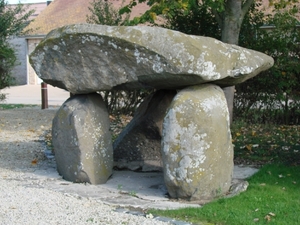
(138, 147)
(82, 141)
(197, 149)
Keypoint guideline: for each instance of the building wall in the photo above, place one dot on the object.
(19, 72)
(32, 77)
(23, 72)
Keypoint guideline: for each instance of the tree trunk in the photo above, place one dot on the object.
(230, 21)
(229, 95)
(231, 26)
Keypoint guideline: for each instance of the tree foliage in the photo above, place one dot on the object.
(274, 93)
(226, 13)
(13, 20)
(103, 12)
(7, 62)
(197, 19)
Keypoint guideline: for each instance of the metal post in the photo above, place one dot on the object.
(44, 96)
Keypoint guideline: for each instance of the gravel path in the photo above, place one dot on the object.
(25, 198)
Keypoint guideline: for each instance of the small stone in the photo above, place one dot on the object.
(149, 216)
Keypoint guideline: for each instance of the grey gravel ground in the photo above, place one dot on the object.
(24, 196)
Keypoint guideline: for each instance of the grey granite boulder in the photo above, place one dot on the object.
(85, 58)
(197, 149)
(82, 141)
(138, 147)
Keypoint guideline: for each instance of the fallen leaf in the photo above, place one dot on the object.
(271, 214)
(280, 176)
(294, 182)
(263, 184)
(268, 218)
(256, 219)
(249, 147)
(34, 162)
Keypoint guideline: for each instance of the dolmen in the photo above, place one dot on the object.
(182, 128)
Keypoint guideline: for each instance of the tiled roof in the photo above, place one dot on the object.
(59, 13)
(64, 12)
(37, 7)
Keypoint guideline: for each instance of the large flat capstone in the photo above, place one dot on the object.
(86, 58)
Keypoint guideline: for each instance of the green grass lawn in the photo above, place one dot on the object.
(14, 106)
(273, 197)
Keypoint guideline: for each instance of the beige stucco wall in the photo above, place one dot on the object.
(19, 72)
(23, 72)
(32, 77)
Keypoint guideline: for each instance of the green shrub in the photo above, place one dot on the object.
(272, 96)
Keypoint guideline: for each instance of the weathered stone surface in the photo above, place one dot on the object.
(138, 147)
(237, 186)
(86, 58)
(82, 141)
(197, 150)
